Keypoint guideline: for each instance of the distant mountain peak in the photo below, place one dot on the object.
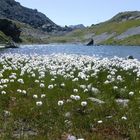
(78, 26)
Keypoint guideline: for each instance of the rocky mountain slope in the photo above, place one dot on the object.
(13, 10)
(9, 31)
(32, 24)
(122, 29)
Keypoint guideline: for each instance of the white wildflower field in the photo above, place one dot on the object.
(69, 97)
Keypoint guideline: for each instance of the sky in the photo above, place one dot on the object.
(87, 12)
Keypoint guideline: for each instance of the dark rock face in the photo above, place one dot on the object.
(10, 29)
(130, 57)
(13, 10)
(91, 43)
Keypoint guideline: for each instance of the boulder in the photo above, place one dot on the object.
(130, 57)
(95, 100)
(91, 43)
(123, 102)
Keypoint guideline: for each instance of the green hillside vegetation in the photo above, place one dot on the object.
(28, 34)
(109, 27)
(4, 38)
(117, 25)
(133, 41)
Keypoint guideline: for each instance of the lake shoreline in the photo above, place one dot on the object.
(75, 43)
(101, 51)
(69, 43)
(2, 46)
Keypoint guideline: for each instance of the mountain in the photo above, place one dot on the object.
(33, 25)
(9, 31)
(79, 26)
(13, 10)
(125, 16)
(122, 29)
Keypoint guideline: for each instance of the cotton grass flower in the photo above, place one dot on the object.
(42, 85)
(75, 90)
(131, 93)
(3, 92)
(1, 87)
(60, 103)
(12, 80)
(24, 92)
(115, 87)
(72, 97)
(43, 95)
(83, 86)
(19, 90)
(85, 90)
(62, 85)
(84, 103)
(7, 113)
(20, 81)
(77, 97)
(36, 81)
(124, 118)
(35, 96)
(52, 79)
(95, 90)
(100, 121)
(50, 87)
(39, 103)
(119, 78)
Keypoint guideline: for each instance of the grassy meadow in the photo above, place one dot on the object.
(58, 96)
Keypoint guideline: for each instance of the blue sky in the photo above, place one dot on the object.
(87, 12)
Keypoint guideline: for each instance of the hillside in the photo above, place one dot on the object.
(122, 29)
(13, 10)
(9, 31)
(34, 26)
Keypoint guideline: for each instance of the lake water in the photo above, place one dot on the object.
(101, 51)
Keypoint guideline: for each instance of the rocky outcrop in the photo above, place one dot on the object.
(128, 33)
(10, 30)
(90, 43)
(102, 37)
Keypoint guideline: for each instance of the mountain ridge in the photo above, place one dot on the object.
(15, 11)
(122, 29)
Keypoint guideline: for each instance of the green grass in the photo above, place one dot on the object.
(118, 27)
(29, 35)
(132, 41)
(109, 27)
(49, 120)
(4, 38)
